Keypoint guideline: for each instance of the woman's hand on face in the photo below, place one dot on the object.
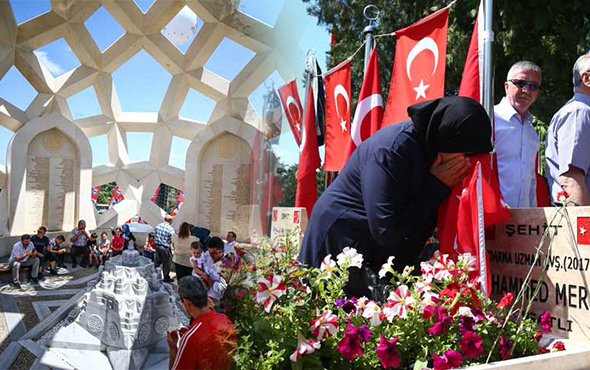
(450, 168)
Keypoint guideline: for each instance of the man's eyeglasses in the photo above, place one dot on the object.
(522, 83)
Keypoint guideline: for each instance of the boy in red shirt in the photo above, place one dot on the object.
(210, 340)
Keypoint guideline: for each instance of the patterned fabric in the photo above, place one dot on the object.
(163, 234)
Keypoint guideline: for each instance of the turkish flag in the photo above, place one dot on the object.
(478, 208)
(419, 65)
(309, 159)
(496, 210)
(471, 81)
(94, 194)
(293, 108)
(583, 230)
(369, 109)
(337, 82)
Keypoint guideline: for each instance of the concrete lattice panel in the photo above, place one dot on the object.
(274, 48)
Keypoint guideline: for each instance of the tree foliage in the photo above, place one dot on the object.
(288, 178)
(550, 33)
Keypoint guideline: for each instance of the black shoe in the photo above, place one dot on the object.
(168, 280)
(35, 280)
(16, 284)
(40, 276)
(63, 265)
(74, 265)
(52, 272)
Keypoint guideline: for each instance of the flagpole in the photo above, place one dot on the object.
(488, 39)
(369, 31)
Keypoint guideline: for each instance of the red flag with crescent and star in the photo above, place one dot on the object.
(369, 108)
(337, 82)
(293, 109)
(419, 65)
(309, 159)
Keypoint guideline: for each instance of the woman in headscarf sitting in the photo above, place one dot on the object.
(127, 235)
(385, 200)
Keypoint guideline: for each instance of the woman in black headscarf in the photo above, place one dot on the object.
(385, 200)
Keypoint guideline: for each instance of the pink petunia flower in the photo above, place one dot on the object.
(387, 352)
(351, 344)
(505, 347)
(471, 344)
(304, 347)
(398, 303)
(449, 360)
(270, 288)
(545, 322)
(325, 325)
(442, 322)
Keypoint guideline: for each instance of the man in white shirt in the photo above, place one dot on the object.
(23, 254)
(517, 142)
(230, 245)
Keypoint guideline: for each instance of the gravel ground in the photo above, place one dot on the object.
(24, 361)
(25, 306)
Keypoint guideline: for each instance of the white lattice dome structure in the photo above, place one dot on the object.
(46, 128)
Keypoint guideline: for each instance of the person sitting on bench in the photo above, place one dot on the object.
(78, 237)
(24, 255)
(59, 250)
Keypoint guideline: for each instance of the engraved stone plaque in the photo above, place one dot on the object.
(225, 185)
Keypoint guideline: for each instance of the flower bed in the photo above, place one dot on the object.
(288, 315)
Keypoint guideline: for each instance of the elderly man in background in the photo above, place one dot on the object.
(567, 150)
(517, 142)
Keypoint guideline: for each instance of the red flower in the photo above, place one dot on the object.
(506, 300)
(505, 347)
(428, 312)
(387, 352)
(350, 345)
(544, 350)
(449, 360)
(545, 322)
(443, 320)
(471, 344)
(559, 346)
(538, 335)
(562, 196)
(450, 290)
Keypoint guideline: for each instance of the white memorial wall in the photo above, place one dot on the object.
(49, 174)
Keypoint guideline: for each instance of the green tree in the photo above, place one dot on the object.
(288, 177)
(550, 33)
(105, 193)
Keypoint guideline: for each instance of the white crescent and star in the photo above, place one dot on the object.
(291, 100)
(426, 43)
(363, 108)
(583, 231)
(340, 90)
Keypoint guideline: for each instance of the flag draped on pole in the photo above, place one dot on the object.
(471, 83)
(338, 100)
(293, 109)
(479, 207)
(419, 65)
(369, 109)
(309, 159)
(155, 196)
(463, 216)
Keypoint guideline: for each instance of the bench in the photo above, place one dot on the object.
(6, 269)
